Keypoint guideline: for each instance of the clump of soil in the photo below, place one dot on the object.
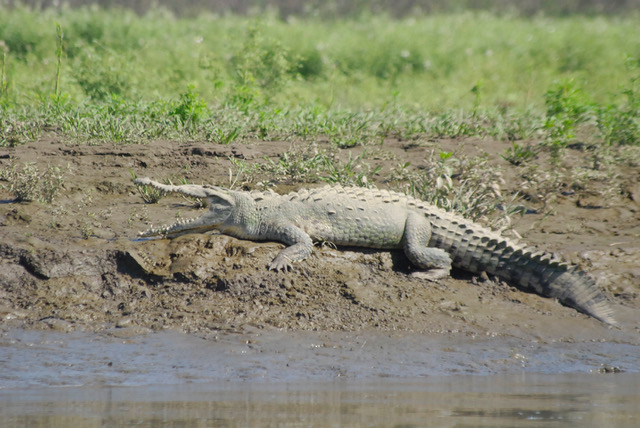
(75, 263)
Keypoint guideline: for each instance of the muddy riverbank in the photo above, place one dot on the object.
(74, 264)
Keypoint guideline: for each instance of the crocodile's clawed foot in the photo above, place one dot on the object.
(280, 264)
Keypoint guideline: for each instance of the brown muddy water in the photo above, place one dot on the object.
(278, 378)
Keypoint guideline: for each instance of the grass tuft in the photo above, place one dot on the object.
(28, 183)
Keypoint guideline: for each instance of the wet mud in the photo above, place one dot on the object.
(76, 266)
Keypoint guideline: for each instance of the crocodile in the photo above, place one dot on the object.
(433, 239)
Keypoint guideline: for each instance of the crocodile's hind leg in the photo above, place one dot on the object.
(417, 232)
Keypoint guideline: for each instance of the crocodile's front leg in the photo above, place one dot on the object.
(417, 232)
(299, 247)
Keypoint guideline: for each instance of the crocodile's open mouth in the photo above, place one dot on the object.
(181, 227)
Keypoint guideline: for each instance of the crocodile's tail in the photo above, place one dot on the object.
(476, 249)
(550, 277)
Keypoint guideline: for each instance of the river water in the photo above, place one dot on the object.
(274, 378)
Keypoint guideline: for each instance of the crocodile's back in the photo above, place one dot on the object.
(347, 216)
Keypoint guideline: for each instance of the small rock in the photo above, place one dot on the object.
(58, 324)
(123, 322)
(128, 331)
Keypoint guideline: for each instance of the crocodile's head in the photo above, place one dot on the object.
(221, 206)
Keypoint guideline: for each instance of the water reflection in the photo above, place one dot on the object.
(496, 401)
(281, 378)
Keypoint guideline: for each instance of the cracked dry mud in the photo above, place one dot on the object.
(75, 264)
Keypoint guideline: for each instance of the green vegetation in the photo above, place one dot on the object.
(432, 62)
(540, 84)
(149, 195)
(28, 183)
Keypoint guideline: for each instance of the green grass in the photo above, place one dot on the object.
(428, 62)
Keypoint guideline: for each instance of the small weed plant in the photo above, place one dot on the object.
(352, 172)
(566, 109)
(150, 195)
(519, 154)
(27, 183)
(300, 164)
(4, 84)
(475, 193)
(620, 123)
(190, 110)
(259, 67)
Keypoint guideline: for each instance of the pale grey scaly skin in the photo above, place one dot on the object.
(432, 239)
